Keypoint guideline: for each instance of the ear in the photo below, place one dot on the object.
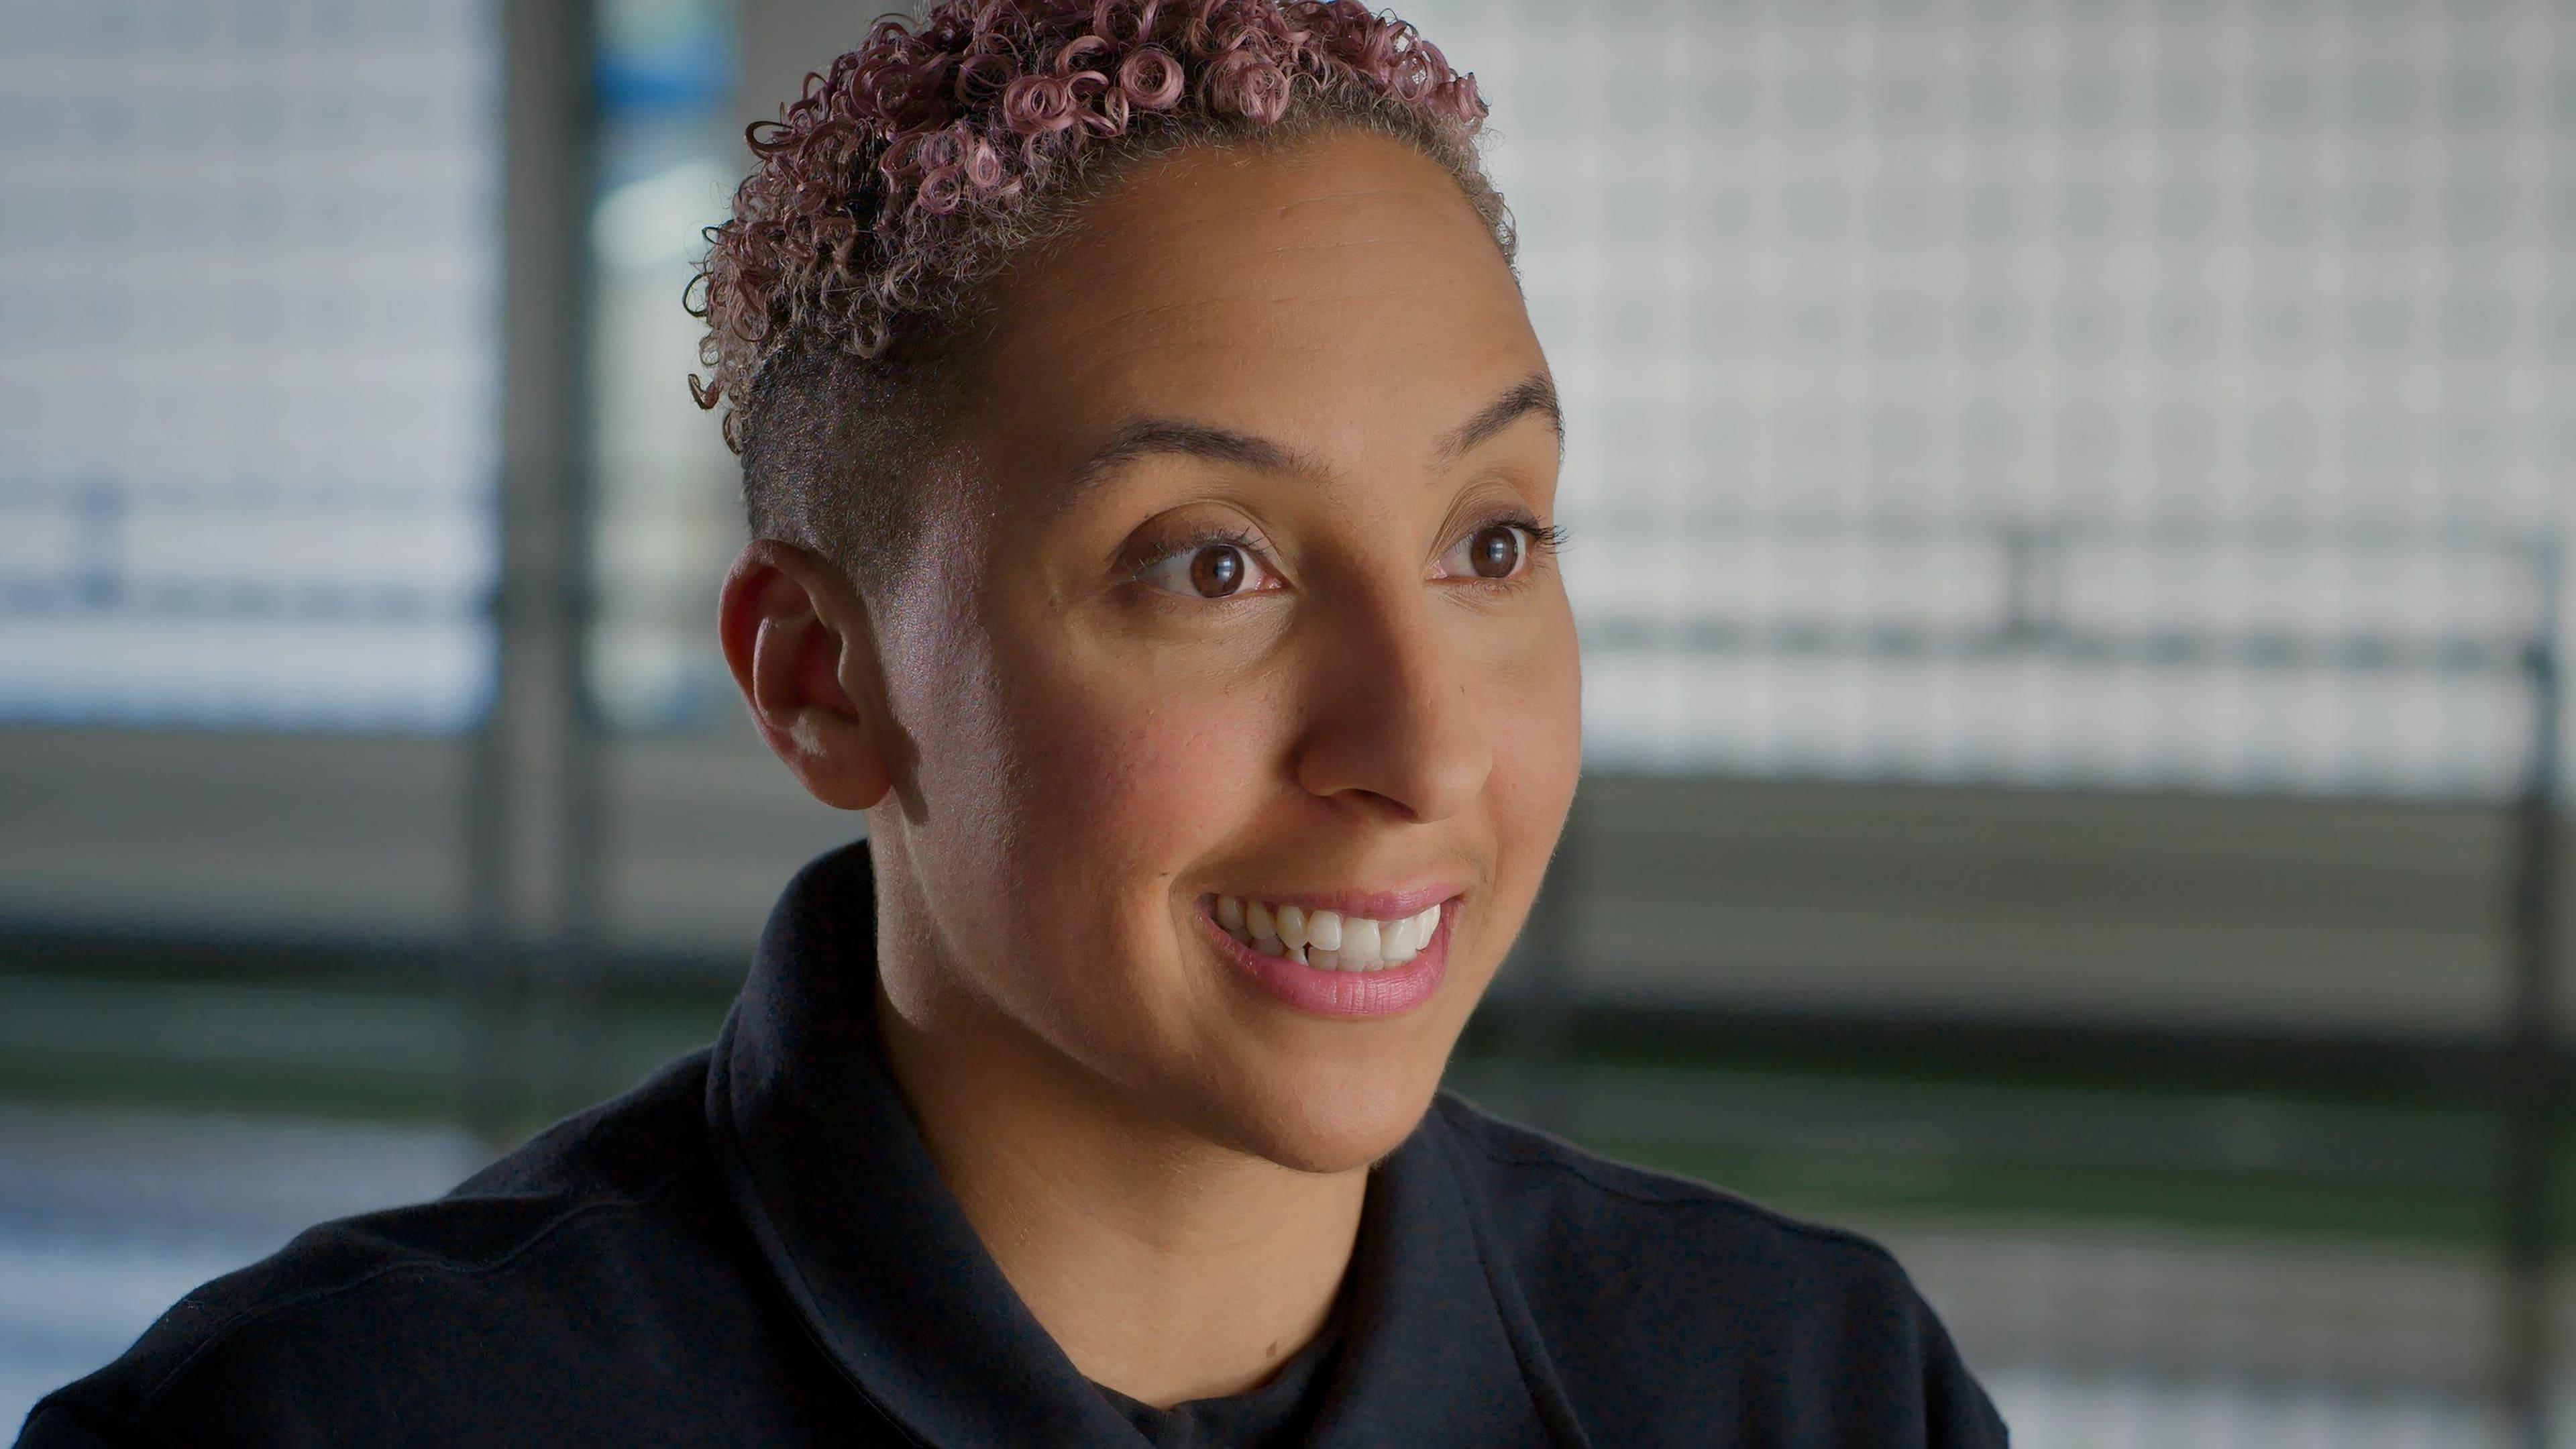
(796, 637)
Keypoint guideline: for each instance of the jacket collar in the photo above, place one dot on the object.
(827, 1169)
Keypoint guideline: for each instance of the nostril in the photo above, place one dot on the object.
(1390, 803)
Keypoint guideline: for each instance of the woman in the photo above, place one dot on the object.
(1149, 462)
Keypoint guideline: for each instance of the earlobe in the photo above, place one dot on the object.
(793, 632)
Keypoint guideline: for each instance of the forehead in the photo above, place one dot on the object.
(1343, 295)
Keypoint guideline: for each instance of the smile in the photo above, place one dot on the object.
(1326, 940)
(1334, 963)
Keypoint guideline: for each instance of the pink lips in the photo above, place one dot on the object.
(1389, 992)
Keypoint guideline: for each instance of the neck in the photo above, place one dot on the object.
(1166, 1266)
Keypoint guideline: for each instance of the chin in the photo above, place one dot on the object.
(1326, 1122)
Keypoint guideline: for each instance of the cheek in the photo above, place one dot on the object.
(1130, 774)
(1537, 713)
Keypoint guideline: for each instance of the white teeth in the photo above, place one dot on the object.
(1326, 940)
(1359, 941)
(1396, 944)
(1324, 928)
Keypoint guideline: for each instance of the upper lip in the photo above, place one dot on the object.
(1392, 905)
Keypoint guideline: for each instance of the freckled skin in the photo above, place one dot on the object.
(1094, 757)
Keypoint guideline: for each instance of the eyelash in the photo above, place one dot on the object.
(1544, 539)
(1206, 537)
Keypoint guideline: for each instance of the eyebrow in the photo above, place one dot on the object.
(1170, 437)
(1532, 396)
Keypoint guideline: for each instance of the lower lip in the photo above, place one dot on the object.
(1388, 992)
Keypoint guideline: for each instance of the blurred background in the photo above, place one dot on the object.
(2065, 502)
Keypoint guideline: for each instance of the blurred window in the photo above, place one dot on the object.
(1885, 326)
(670, 151)
(247, 362)
(2134, 395)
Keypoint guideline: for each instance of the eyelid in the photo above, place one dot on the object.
(1264, 571)
(1163, 551)
(1537, 539)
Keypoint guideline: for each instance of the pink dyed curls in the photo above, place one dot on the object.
(877, 188)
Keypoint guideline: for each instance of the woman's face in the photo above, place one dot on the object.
(1248, 597)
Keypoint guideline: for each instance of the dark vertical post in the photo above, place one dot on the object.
(2034, 566)
(534, 811)
(99, 510)
(2531, 1061)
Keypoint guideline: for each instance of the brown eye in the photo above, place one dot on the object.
(1216, 571)
(1494, 551)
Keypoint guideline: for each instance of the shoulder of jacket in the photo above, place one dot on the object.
(599, 1167)
(1536, 1188)
(1663, 1301)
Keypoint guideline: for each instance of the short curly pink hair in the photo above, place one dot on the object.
(843, 290)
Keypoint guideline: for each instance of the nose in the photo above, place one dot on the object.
(1397, 723)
